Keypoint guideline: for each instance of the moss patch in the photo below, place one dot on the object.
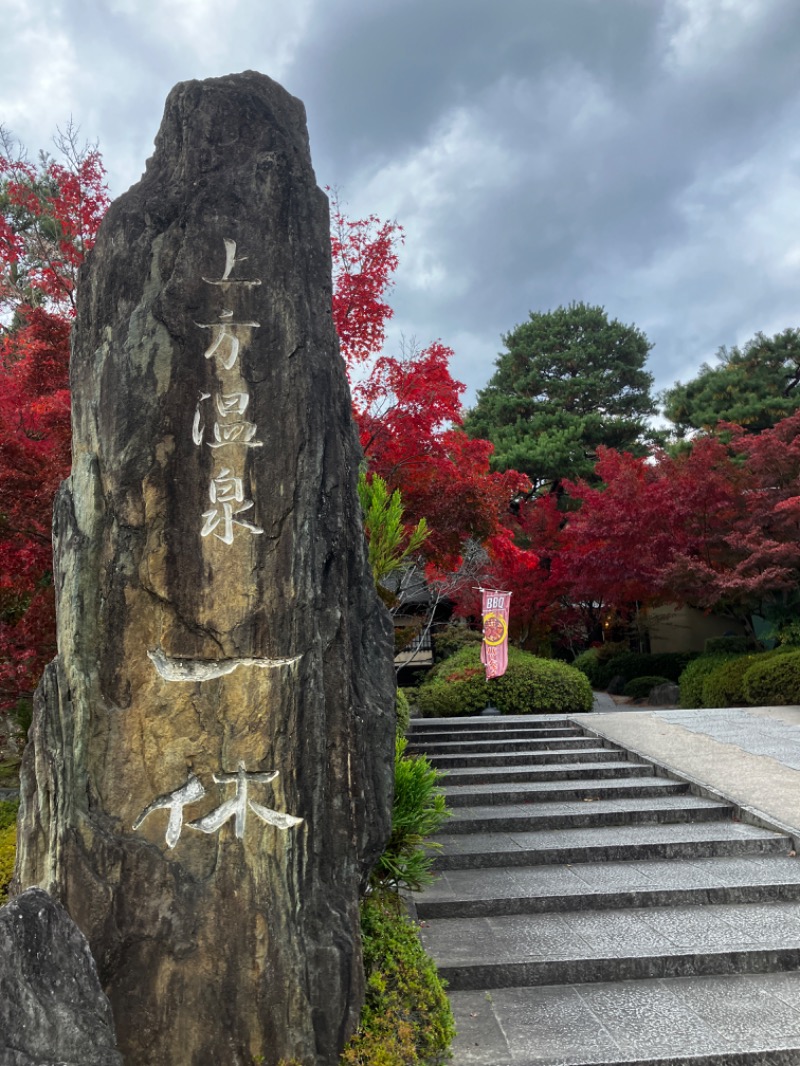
(406, 1020)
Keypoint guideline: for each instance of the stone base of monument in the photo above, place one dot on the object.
(52, 1008)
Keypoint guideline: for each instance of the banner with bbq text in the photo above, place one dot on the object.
(494, 650)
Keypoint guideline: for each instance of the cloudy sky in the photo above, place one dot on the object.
(639, 154)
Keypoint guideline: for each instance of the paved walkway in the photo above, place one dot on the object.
(593, 909)
(750, 756)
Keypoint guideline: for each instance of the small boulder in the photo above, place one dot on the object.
(667, 695)
(52, 1008)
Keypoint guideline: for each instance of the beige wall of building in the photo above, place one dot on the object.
(686, 628)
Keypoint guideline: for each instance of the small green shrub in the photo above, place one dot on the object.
(727, 646)
(692, 678)
(774, 682)
(640, 687)
(530, 685)
(588, 664)
(418, 811)
(23, 713)
(8, 844)
(788, 633)
(596, 663)
(724, 686)
(452, 639)
(406, 1019)
(403, 712)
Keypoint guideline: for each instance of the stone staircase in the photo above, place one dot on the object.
(591, 911)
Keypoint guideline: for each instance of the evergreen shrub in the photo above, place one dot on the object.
(418, 810)
(530, 685)
(724, 686)
(403, 712)
(406, 1019)
(727, 645)
(774, 682)
(639, 688)
(630, 664)
(450, 639)
(692, 678)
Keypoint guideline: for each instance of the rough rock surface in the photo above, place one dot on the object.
(209, 778)
(52, 1008)
(666, 695)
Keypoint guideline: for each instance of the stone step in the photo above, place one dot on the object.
(557, 739)
(648, 883)
(743, 1020)
(544, 791)
(585, 813)
(453, 735)
(545, 847)
(489, 723)
(557, 771)
(614, 945)
(524, 758)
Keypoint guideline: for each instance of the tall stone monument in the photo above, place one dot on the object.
(209, 775)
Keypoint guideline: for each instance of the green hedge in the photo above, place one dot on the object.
(628, 665)
(724, 686)
(727, 646)
(530, 685)
(640, 687)
(692, 678)
(774, 682)
(595, 662)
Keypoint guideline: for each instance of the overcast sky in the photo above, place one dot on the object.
(639, 154)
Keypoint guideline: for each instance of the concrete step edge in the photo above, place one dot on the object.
(505, 796)
(588, 819)
(614, 853)
(490, 974)
(502, 906)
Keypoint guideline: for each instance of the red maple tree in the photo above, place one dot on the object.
(408, 406)
(49, 214)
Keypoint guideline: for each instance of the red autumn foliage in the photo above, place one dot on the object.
(408, 407)
(716, 527)
(364, 253)
(49, 216)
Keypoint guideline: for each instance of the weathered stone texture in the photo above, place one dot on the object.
(215, 608)
(52, 1008)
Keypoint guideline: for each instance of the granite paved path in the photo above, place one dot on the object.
(594, 909)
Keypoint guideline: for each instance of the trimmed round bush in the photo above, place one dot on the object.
(724, 686)
(774, 682)
(640, 687)
(692, 678)
(530, 685)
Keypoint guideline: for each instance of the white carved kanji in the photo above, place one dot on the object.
(174, 802)
(238, 805)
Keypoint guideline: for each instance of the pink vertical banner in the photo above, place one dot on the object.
(494, 650)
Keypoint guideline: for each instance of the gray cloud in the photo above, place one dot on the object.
(633, 153)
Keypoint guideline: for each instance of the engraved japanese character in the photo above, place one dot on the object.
(237, 806)
(174, 802)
